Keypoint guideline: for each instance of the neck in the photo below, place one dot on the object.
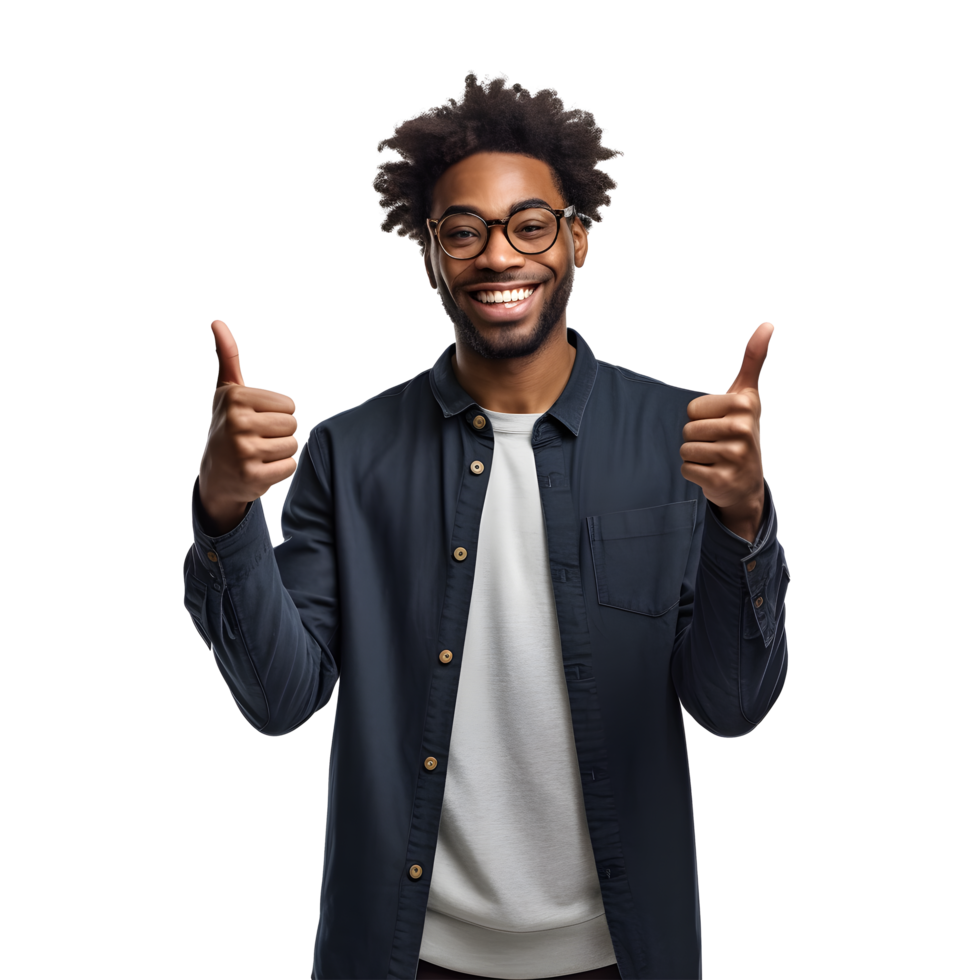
(518, 385)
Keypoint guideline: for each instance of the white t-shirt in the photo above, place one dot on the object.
(514, 892)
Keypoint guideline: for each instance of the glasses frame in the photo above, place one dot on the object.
(435, 224)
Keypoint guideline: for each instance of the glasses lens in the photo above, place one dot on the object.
(462, 235)
(531, 231)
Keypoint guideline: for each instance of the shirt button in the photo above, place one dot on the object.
(212, 556)
(476, 467)
(459, 554)
(415, 871)
(479, 422)
(750, 567)
(431, 763)
(758, 602)
(446, 656)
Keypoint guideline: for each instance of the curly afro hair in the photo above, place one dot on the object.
(492, 117)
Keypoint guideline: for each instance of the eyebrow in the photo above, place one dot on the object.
(531, 202)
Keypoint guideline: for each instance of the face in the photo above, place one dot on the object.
(493, 185)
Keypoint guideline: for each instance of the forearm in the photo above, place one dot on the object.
(729, 662)
(276, 670)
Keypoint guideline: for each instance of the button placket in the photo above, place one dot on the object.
(476, 446)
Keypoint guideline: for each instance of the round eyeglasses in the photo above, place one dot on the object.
(530, 231)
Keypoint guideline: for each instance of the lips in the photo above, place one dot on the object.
(503, 304)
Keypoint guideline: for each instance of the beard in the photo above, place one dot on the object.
(498, 346)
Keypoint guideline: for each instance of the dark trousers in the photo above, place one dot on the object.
(429, 971)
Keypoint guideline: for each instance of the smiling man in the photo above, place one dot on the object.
(521, 562)
(505, 283)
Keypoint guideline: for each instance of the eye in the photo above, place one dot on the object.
(533, 225)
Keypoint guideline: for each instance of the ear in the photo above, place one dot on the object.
(427, 259)
(580, 242)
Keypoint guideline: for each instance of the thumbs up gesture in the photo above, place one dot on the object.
(250, 443)
(721, 450)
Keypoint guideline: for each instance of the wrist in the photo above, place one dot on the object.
(220, 516)
(745, 517)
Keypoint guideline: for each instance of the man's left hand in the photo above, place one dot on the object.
(721, 450)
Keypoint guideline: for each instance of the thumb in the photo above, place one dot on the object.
(229, 371)
(755, 356)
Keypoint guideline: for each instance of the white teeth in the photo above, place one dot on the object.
(508, 296)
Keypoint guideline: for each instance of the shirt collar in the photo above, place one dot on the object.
(568, 409)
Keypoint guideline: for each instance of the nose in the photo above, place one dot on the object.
(499, 254)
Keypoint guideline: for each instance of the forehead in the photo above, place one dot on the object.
(492, 182)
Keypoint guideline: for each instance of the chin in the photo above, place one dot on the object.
(504, 341)
(508, 340)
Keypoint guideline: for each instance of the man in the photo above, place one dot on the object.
(517, 579)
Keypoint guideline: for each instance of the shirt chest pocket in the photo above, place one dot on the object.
(640, 556)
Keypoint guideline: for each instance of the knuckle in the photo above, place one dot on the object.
(237, 416)
(242, 445)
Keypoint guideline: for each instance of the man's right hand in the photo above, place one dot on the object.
(250, 445)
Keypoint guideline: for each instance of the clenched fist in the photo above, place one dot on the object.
(721, 451)
(250, 444)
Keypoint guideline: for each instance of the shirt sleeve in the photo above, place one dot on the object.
(729, 657)
(272, 643)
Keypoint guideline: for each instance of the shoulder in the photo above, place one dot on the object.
(380, 415)
(621, 386)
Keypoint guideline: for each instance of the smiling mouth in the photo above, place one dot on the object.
(508, 297)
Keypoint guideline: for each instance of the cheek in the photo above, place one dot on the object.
(452, 272)
(446, 278)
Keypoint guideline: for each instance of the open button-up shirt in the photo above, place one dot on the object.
(658, 605)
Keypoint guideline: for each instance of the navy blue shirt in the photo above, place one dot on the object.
(658, 605)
